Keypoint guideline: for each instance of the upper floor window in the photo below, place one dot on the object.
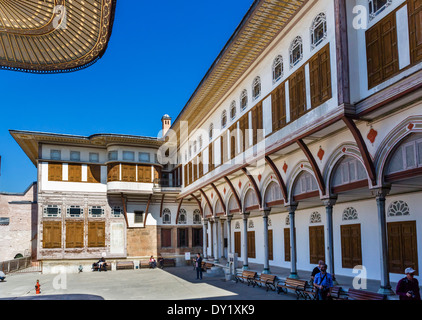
(52, 210)
(75, 211)
(224, 119)
(112, 155)
(94, 157)
(197, 217)
(183, 218)
(116, 212)
(377, 6)
(233, 110)
(4, 221)
(55, 155)
(129, 155)
(318, 30)
(407, 156)
(277, 68)
(194, 146)
(166, 216)
(75, 156)
(256, 88)
(244, 99)
(296, 51)
(144, 157)
(210, 131)
(96, 211)
(200, 142)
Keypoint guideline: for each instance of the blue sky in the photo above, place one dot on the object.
(157, 55)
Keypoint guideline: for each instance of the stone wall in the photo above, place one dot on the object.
(142, 242)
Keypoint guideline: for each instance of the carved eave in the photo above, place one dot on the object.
(53, 36)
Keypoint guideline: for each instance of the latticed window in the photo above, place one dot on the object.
(296, 51)
(223, 119)
(52, 211)
(256, 88)
(210, 131)
(318, 30)
(183, 218)
(277, 68)
(96, 211)
(350, 214)
(197, 217)
(244, 99)
(315, 217)
(75, 212)
(398, 208)
(116, 212)
(407, 156)
(377, 6)
(166, 216)
(233, 110)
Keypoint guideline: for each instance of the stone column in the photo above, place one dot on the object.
(204, 238)
(216, 240)
(293, 272)
(211, 243)
(229, 234)
(385, 287)
(329, 203)
(222, 238)
(245, 241)
(265, 214)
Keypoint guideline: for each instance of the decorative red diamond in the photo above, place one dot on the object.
(301, 165)
(240, 184)
(285, 167)
(212, 195)
(372, 135)
(344, 150)
(410, 126)
(259, 177)
(224, 190)
(321, 153)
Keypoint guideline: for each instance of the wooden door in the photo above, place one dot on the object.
(270, 245)
(251, 244)
(351, 249)
(287, 247)
(402, 246)
(165, 238)
(316, 244)
(238, 243)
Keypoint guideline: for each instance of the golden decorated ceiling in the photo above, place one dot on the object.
(47, 36)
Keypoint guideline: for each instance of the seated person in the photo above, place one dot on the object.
(161, 261)
(152, 262)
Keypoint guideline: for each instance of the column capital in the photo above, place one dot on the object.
(381, 193)
(229, 217)
(329, 202)
(265, 212)
(245, 215)
(292, 207)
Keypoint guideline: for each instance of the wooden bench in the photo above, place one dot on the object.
(266, 279)
(95, 267)
(296, 285)
(337, 293)
(207, 265)
(248, 276)
(144, 264)
(124, 265)
(353, 294)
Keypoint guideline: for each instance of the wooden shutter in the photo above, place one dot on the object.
(297, 94)
(351, 249)
(201, 165)
(270, 245)
(157, 173)
(144, 174)
(237, 244)
(382, 50)
(165, 238)
(96, 234)
(113, 172)
(75, 172)
(320, 77)
(129, 172)
(251, 244)
(195, 168)
(257, 123)
(415, 28)
(52, 234)
(74, 234)
(316, 244)
(210, 158)
(233, 138)
(287, 244)
(55, 172)
(182, 237)
(278, 107)
(94, 173)
(402, 246)
(186, 175)
(243, 127)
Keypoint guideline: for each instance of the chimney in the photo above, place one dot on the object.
(166, 121)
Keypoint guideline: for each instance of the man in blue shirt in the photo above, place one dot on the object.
(323, 282)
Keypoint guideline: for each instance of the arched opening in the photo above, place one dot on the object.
(250, 201)
(273, 196)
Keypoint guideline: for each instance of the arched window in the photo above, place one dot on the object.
(183, 218)
(296, 51)
(398, 208)
(256, 88)
(210, 131)
(348, 170)
(166, 216)
(377, 6)
(278, 68)
(407, 156)
(223, 119)
(197, 217)
(350, 214)
(318, 30)
(305, 183)
(244, 99)
(233, 110)
(272, 193)
(200, 142)
(194, 146)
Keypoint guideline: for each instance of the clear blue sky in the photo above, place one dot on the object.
(157, 55)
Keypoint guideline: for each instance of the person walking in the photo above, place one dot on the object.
(408, 287)
(198, 266)
(323, 282)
